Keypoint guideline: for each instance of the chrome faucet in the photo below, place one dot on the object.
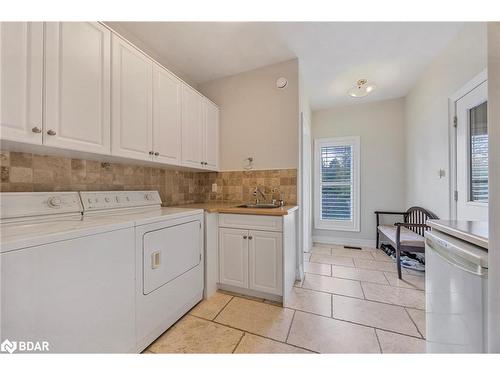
(257, 190)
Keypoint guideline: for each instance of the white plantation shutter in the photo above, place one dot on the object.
(337, 180)
(478, 132)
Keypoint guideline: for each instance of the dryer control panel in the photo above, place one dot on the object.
(106, 200)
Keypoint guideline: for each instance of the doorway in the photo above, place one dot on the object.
(470, 156)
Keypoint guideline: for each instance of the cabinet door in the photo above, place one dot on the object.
(21, 70)
(132, 75)
(265, 258)
(233, 257)
(192, 128)
(211, 135)
(77, 86)
(166, 116)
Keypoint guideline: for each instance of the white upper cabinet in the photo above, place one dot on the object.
(132, 111)
(77, 86)
(192, 128)
(211, 136)
(21, 71)
(166, 116)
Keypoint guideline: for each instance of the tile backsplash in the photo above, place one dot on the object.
(238, 186)
(34, 172)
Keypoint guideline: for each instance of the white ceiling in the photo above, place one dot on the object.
(332, 55)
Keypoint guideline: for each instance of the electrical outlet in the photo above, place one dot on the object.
(214, 188)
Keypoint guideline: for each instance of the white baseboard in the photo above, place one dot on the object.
(344, 241)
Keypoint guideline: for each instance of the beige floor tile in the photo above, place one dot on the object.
(257, 317)
(374, 314)
(307, 256)
(310, 301)
(326, 335)
(418, 317)
(375, 265)
(321, 250)
(408, 281)
(333, 285)
(350, 253)
(256, 344)
(330, 259)
(395, 343)
(209, 308)
(319, 244)
(318, 268)
(380, 256)
(359, 274)
(397, 296)
(195, 335)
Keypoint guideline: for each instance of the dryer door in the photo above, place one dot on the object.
(169, 252)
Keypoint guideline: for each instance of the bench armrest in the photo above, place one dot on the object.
(390, 213)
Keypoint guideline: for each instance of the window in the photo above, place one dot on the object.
(478, 151)
(337, 183)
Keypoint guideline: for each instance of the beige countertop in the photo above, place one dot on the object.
(232, 208)
(475, 232)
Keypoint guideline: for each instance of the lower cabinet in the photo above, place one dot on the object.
(233, 257)
(251, 259)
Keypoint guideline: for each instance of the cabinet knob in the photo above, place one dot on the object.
(157, 153)
(36, 129)
(51, 132)
(201, 163)
(151, 152)
(244, 237)
(250, 237)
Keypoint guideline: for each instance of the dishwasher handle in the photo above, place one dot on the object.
(451, 254)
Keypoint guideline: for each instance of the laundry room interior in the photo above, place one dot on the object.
(287, 186)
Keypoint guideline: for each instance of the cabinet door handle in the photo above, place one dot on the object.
(36, 129)
(201, 162)
(244, 237)
(151, 152)
(51, 132)
(157, 153)
(250, 237)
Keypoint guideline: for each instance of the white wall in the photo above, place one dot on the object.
(494, 199)
(256, 118)
(381, 128)
(426, 111)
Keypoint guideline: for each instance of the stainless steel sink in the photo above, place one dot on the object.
(259, 205)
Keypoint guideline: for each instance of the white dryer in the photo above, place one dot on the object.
(64, 280)
(168, 257)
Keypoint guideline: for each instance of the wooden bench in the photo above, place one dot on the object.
(408, 235)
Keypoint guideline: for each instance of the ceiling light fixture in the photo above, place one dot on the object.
(361, 89)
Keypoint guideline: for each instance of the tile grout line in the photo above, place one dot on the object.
(418, 330)
(238, 343)
(362, 290)
(378, 340)
(215, 317)
(290, 328)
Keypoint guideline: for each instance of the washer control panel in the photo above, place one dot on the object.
(103, 200)
(15, 205)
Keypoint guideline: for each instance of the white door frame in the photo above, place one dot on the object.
(452, 131)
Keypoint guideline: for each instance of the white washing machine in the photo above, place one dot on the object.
(64, 280)
(168, 258)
